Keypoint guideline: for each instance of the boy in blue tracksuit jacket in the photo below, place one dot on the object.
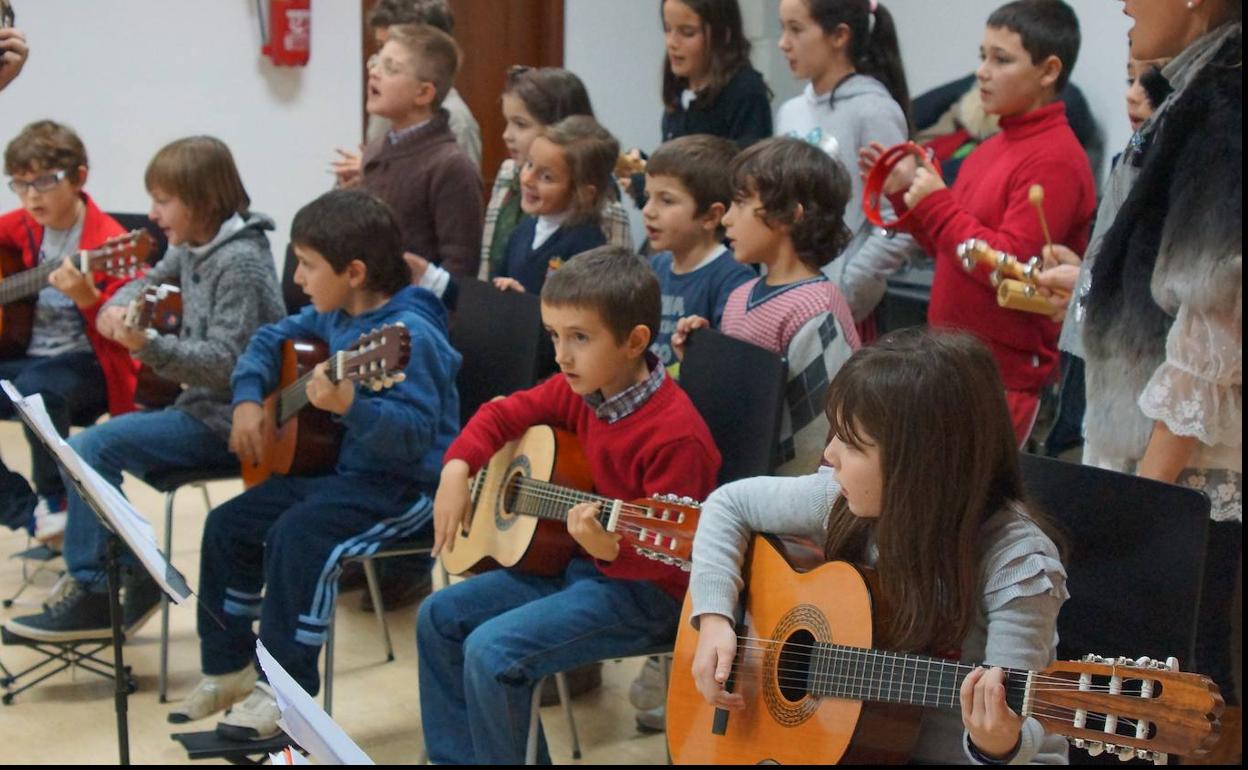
(288, 535)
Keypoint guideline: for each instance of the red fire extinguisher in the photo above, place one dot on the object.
(290, 32)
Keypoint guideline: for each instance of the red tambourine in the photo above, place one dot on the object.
(873, 189)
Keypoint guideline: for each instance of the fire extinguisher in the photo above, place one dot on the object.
(289, 41)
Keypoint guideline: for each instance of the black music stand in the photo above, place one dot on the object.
(170, 580)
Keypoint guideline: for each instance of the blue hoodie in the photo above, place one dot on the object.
(399, 432)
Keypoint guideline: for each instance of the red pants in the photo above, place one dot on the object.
(1024, 405)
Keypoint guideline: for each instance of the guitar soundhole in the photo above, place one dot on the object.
(509, 494)
(793, 670)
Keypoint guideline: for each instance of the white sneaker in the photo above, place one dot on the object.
(213, 694)
(255, 719)
(649, 689)
(49, 522)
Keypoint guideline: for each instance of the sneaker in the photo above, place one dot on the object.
(51, 517)
(255, 719)
(140, 599)
(649, 689)
(653, 720)
(71, 614)
(213, 694)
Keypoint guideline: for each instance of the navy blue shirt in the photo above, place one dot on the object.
(702, 292)
(530, 266)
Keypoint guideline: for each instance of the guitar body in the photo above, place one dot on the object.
(496, 537)
(153, 391)
(17, 318)
(307, 443)
(831, 602)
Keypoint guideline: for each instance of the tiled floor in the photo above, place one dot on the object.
(70, 719)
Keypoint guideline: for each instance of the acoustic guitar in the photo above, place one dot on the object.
(123, 256)
(159, 308)
(818, 692)
(303, 443)
(520, 504)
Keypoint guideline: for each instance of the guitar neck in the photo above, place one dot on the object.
(854, 673)
(27, 283)
(294, 397)
(543, 500)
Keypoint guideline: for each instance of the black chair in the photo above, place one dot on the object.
(738, 388)
(1134, 566)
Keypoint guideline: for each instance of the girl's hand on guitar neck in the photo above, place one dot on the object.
(712, 661)
(450, 505)
(584, 527)
(329, 396)
(994, 728)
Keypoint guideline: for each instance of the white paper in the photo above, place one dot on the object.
(130, 525)
(307, 723)
(296, 758)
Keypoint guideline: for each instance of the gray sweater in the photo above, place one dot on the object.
(229, 289)
(1015, 626)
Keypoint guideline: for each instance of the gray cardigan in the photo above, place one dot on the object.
(229, 289)
(1016, 624)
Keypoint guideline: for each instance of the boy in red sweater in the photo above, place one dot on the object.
(484, 643)
(1028, 52)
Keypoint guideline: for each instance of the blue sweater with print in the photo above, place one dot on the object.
(400, 432)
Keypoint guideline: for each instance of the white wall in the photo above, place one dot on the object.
(130, 77)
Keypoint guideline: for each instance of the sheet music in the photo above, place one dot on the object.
(130, 525)
(307, 723)
(294, 758)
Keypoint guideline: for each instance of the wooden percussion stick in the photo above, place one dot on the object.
(1036, 196)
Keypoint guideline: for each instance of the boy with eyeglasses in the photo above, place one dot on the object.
(80, 374)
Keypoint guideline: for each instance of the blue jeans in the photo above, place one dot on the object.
(483, 644)
(140, 443)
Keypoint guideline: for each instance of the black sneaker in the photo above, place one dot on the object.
(74, 615)
(140, 599)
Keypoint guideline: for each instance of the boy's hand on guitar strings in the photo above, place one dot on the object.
(109, 319)
(993, 727)
(712, 661)
(330, 396)
(247, 431)
(73, 284)
(584, 527)
(450, 505)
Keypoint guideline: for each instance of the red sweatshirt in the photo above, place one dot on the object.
(989, 201)
(20, 230)
(663, 447)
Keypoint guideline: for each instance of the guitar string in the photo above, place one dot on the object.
(545, 491)
(27, 280)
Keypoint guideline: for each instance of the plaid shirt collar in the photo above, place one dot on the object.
(630, 399)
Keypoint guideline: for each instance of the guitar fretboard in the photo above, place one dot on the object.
(27, 283)
(544, 500)
(295, 395)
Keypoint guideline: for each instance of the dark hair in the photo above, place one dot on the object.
(590, 151)
(435, 13)
(873, 47)
(910, 391)
(200, 172)
(346, 225)
(615, 283)
(726, 44)
(436, 53)
(47, 146)
(787, 173)
(1047, 28)
(550, 94)
(702, 163)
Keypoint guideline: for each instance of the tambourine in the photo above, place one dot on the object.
(874, 187)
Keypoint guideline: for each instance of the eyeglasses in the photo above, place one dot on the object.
(42, 184)
(388, 66)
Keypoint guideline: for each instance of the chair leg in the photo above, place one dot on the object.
(535, 722)
(329, 661)
(163, 685)
(374, 593)
(667, 682)
(203, 490)
(561, 684)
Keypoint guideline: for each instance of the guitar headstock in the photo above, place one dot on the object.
(158, 307)
(122, 256)
(661, 527)
(377, 359)
(1142, 708)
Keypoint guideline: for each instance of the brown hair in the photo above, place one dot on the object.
(550, 94)
(934, 404)
(701, 163)
(726, 45)
(200, 171)
(45, 146)
(787, 173)
(615, 283)
(435, 13)
(591, 152)
(436, 53)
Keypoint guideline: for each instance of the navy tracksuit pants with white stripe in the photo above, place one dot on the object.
(274, 553)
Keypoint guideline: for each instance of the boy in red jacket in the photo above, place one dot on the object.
(1028, 52)
(80, 374)
(484, 643)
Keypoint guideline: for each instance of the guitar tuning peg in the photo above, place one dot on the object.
(1172, 664)
(1095, 748)
(1142, 662)
(375, 385)
(399, 377)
